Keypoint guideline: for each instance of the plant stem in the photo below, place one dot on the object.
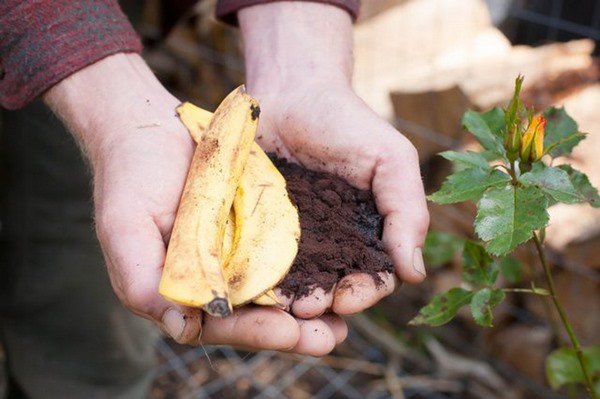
(554, 324)
(563, 317)
(513, 173)
(526, 291)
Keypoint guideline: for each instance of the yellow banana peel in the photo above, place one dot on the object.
(250, 247)
(267, 230)
(193, 273)
(269, 298)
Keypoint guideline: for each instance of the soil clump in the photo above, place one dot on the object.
(340, 231)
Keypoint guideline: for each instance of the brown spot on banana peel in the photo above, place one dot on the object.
(262, 191)
(235, 280)
(255, 111)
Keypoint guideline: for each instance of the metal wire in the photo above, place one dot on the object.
(555, 24)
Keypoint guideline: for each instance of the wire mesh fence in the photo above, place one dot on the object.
(371, 364)
(377, 360)
(551, 20)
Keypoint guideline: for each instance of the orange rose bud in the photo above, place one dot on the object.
(532, 143)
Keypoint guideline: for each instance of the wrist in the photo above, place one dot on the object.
(110, 99)
(292, 44)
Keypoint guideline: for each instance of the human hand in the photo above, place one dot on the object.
(139, 153)
(299, 66)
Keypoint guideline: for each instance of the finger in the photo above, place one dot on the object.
(260, 327)
(182, 324)
(316, 338)
(359, 291)
(400, 198)
(313, 305)
(135, 252)
(338, 326)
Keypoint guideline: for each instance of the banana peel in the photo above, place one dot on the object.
(268, 243)
(193, 273)
(267, 230)
(269, 298)
(258, 236)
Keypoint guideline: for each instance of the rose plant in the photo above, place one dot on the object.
(513, 180)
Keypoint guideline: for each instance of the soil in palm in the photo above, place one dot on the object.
(340, 231)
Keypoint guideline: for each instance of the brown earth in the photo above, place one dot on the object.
(340, 231)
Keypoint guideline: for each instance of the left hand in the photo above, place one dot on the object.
(139, 153)
(311, 115)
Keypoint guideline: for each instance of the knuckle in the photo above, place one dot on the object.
(410, 151)
(137, 297)
(401, 149)
(107, 222)
(112, 223)
(422, 222)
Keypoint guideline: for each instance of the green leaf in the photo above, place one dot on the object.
(443, 307)
(562, 365)
(482, 304)
(488, 129)
(582, 185)
(489, 155)
(592, 357)
(554, 182)
(512, 269)
(441, 247)
(478, 266)
(468, 184)
(507, 216)
(466, 160)
(562, 133)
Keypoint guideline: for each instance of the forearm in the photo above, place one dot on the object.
(42, 42)
(296, 43)
(110, 99)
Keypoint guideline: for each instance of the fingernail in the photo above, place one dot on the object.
(418, 263)
(174, 323)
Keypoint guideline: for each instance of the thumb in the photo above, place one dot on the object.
(134, 251)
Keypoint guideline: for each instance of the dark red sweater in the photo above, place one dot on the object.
(44, 41)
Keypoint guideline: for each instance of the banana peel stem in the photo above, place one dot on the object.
(218, 307)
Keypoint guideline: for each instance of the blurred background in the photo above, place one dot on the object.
(419, 64)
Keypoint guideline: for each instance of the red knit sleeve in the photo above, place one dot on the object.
(44, 41)
(227, 9)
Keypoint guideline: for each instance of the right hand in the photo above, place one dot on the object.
(311, 115)
(140, 154)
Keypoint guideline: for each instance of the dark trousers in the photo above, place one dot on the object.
(63, 334)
